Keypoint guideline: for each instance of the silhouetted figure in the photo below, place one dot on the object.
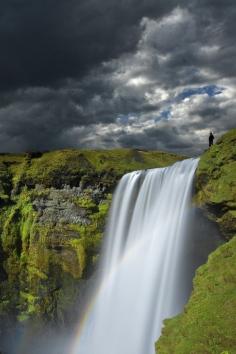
(211, 139)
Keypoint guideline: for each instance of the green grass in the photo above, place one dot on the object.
(216, 183)
(216, 173)
(208, 323)
(123, 160)
(68, 166)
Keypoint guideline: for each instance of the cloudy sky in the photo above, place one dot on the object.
(147, 74)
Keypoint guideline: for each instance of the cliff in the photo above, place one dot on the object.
(53, 211)
(208, 323)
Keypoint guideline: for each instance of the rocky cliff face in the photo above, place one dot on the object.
(208, 323)
(53, 211)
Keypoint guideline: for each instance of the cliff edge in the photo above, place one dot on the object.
(208, 323)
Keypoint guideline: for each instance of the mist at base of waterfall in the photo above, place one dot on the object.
(25, 340)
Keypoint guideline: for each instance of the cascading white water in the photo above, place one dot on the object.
(143, 269)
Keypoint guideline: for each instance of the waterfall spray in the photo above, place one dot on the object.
(143, 266)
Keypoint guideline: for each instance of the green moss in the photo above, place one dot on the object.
(216, 173)
(16, 225)
(19, 173)
(35, 272)
(124, 160)
(30, 306)
(88, 244)
(4, 305)
(86, 202)
(208, 324)
(81, 253)
(216, 182)
(56, 168)
(28, 217)
(11, 167)
(105, 205)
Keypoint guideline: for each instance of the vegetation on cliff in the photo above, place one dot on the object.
(208, 323)
(52, 217)
(216, 183)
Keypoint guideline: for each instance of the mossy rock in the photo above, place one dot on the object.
(57, 168)
(208, 323)
(216, 183)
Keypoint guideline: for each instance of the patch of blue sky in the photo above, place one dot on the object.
(166, 112)
(210, 90)
(164, 115)
(124, 119)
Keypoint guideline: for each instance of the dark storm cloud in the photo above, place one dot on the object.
(103, 73)
(43, 42)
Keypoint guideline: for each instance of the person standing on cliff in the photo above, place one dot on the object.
(211, 139)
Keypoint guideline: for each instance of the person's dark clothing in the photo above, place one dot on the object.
(211, 139)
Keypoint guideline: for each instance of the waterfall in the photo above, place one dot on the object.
(144, 267)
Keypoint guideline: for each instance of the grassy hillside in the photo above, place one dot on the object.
(208, 324)
(216, 183)
(68, 166)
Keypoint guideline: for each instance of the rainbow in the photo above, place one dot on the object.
(83, 320)
(91, 304)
